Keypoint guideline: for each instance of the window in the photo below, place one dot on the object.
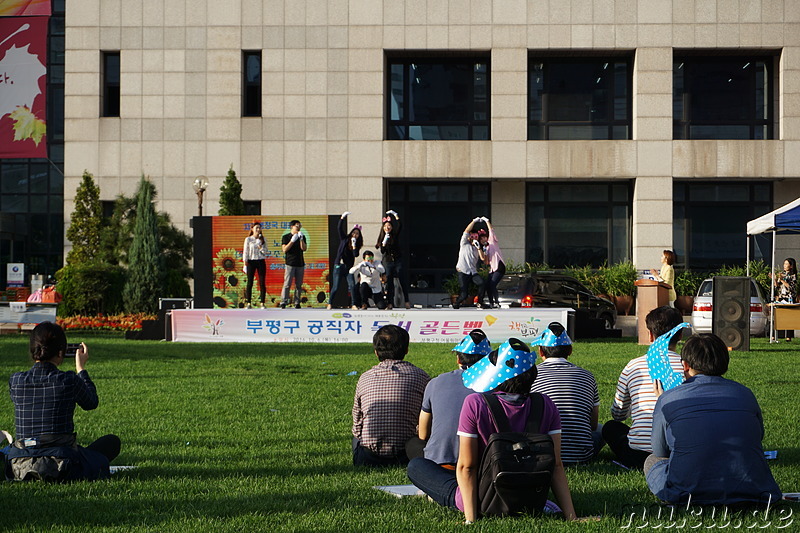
(433, 217)
(252, 207)
(578, 224)
(110, 84)
(251, 83)
(438, 99)
(722, 97)
(579, 99)
(701, 242)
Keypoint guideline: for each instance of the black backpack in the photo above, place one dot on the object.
(516, 468)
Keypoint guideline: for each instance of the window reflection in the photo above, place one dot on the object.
(579, 99)
(722, 97)
(438, 99)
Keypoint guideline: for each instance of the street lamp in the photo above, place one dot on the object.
(200, 185)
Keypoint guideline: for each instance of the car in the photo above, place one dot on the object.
(555, 290)
(702, 309)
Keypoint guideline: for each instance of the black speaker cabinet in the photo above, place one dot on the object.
(730, 312)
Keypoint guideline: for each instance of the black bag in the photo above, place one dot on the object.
(516, 468)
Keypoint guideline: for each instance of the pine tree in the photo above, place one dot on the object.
(230, 195)
(145, 270)
(85, 223)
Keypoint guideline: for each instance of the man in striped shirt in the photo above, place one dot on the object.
(635, 396)
(573, 390)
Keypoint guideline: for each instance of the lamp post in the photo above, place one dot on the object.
(200, 185)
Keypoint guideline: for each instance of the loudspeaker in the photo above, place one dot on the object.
(730, 312)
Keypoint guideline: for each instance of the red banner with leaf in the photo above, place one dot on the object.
(23, 79)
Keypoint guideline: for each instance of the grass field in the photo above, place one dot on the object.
(256, 437)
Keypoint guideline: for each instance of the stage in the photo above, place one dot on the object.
(344, 325)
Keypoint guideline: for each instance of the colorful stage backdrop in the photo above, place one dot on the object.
(17, 8)
(23, 60)
(229, 280)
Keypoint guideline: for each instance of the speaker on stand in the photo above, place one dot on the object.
(730, 312)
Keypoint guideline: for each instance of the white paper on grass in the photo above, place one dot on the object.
(401, 491)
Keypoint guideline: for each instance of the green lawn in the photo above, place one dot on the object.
(256, 437)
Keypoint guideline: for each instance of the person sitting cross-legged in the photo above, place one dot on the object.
(441, 405)
(573, 390)
(707, 435)
(634, 396)
(387, 402)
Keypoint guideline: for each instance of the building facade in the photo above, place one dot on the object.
(589, 131)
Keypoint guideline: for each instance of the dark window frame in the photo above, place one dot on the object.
(411, 210)
(111, 78)
(682, 230)
(252, 90)
(408, 61)
(689, 63)
(549, 205)
(544, 123)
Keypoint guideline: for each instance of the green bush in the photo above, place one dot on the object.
(620, 278)
(759, 271)
(593, 279)
(89, 289)
(687, 283)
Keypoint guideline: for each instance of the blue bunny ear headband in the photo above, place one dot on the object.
(484, 376)
(658, 360)
(468, 346)
(548, 338)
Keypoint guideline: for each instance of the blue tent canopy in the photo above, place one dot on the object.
(783, 220)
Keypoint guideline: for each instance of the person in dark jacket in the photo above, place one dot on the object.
(349, 248)
(389, 245)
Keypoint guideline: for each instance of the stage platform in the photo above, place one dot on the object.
(344, 325)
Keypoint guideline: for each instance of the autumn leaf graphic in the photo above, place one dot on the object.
(27, 126)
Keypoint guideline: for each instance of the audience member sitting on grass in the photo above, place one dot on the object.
(509, 373)
(635, 397)
(387, 402)
(707, 435)
(441, 405)
(573, 390)
(44, 400)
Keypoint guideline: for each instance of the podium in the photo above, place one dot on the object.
(649, 295)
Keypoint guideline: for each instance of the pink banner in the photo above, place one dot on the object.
(20, 8)
(23, 78)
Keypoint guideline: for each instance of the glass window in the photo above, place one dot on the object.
(578, 224)
(433, 216)
(252, 207)
(438, 99)
(700, 241)
(722, 97)
(111, 78)
(251, 83)
(579, 99)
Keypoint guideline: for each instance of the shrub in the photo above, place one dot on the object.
(687, 283)
(620, 278)
(230, 195)
(592, 279)
(90, 289)
(145, 265)
(84, 223)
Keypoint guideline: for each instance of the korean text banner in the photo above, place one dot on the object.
(230, 280)
(336, 325)
(19, 8)
(23, 56)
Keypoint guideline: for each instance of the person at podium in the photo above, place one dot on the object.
(786, 291)
(667, 274)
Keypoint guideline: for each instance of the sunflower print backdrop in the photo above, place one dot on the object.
(228, 268)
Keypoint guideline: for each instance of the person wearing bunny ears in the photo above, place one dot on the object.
(494, 258)
(293, 245)
(574, 391)
(508, 374)
(441, 405)
(389, 245)
(349, 248)
(470, 256)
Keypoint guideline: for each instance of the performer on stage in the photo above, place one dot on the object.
(293, 244)
(494, 258)
(349, 248)
(389, 245)
(254, 255)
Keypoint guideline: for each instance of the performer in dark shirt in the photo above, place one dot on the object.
(293, 245)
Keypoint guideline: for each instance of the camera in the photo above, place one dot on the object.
(72, 349)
